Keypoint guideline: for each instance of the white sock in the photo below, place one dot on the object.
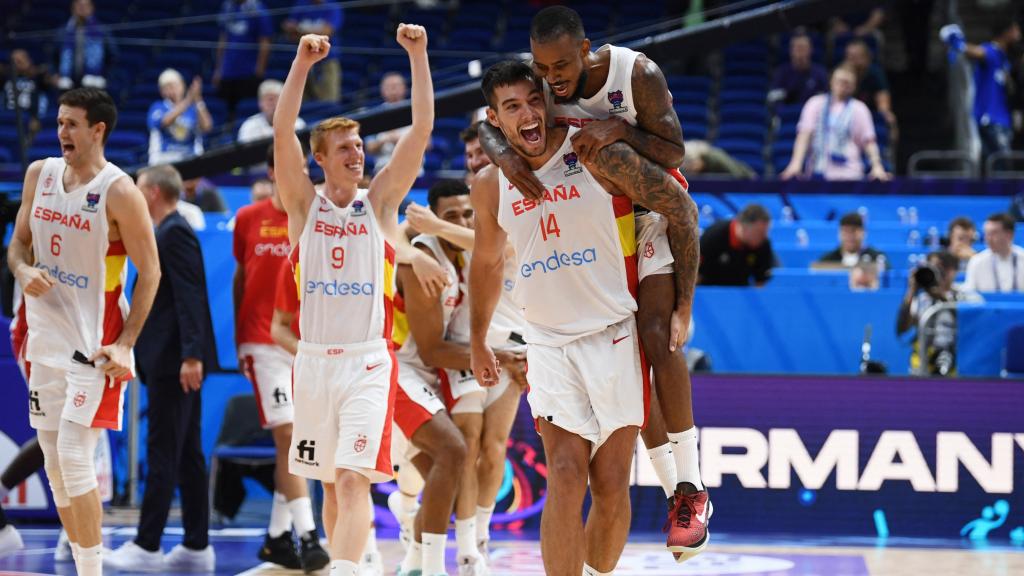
(664, 467)
(687, 456)
(74, 551)
(343, 568)
(280, 516)
(483, 522)
(302, 515)
(90, 561)
(433, 553)
(465, 537)
(413, 557)
(371, 541)
(589, 571)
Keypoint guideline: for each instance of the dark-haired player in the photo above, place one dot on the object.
(615, 94)
(80, 218)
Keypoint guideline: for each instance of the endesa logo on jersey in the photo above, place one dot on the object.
(340, 230)
(66, 278)
(335, 288)
(73, 221)
(558, 260)
(278, 249)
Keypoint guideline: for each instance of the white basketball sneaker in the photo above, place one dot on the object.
(10, 541)
(131, 558)
(182, 559)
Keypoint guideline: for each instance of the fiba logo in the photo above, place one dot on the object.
(307, 452)
(358, 208)
(91, 200)
(572, 161)
(79, 400)
(360, 444)
(616, 99)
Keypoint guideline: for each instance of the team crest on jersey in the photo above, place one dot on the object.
(79, 400)
(572, 161)
(358, 208)
(91, 200)
(360, 444)
(616, 98)
(48, 182)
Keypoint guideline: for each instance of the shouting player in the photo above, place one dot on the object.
(80, 217)
(575, 256)
(617, 95)
(345, 373)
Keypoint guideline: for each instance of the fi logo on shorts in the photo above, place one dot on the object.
(307, 452)
(34, 408)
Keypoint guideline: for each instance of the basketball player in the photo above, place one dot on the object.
(575, 253)
(260, 248)
(284, 330)
(80, 217)
(616, 94)
(345, 374)
(507, 327)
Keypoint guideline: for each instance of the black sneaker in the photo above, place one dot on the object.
(280, 551)
(311, 553)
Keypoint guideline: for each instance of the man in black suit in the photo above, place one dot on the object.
(174, 351)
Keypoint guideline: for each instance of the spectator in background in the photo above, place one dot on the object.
(835, 128)
(929, 285)
(203, 193)
(1000, 267)
(261, 124)
(25, 88)
(872, 84)
(240, 68)
(800, 78)
(475, 156)
(262, 189)
(851, 250)
(865, 24)
(864, 276)
(732, 252)
(703, 158)
(960, 239)
(178, 121)
(992, 68)
(174, 353)
(325, 19)
(87, 49)
(393, 90)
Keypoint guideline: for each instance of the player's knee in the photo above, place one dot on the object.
(76, 447)
(609, 483)
(654, 333)
(567, 471)
(492, 453)
(349, 485)
(51, 463)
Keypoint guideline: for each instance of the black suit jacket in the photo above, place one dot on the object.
(179, 325)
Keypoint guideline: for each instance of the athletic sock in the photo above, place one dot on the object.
(664, 467)
(433, 553)
(343, 568)
(302, 515)
(590, 571)
(371, 541)
(280, 516)
(413, 557)
(90, 561)
(465, 537)
(74, 552)
(687, 456)
(483, 522)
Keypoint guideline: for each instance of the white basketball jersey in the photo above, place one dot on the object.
(575, 251)
(86, 307)
(452, 300)
(508, 314)
(346, 274)
(615, 98)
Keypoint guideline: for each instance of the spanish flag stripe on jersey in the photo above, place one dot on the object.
(623, 209)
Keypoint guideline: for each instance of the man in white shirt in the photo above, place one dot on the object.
(1000, 268)
(259, 125)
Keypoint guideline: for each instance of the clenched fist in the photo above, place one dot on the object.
(412, 37)
(313, 48)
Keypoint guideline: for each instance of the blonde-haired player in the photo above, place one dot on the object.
(345, 372)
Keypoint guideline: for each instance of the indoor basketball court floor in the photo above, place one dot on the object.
(727, 555)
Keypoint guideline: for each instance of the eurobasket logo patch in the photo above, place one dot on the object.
(91, 200)
(616, 99)
(358, 208)
(572, 162)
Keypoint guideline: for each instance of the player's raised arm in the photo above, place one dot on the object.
(485, 272)
(296, 190)
(648, 184)
(34, 281)
(391, 185)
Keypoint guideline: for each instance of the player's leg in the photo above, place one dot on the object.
(467, 415)
(608, 522)
(76, 445)
(562, 541)
(441, 441)
(26, 462)
(499, 416)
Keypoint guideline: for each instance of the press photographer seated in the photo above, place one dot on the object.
(932, 284)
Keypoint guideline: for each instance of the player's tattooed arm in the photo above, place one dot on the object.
(512, 165)
(650, 185)
(658, 134)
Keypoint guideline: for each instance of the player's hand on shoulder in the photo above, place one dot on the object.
(412, 37)
(431, 275)
(590, 139)
(522, 177)
(313, 48)
(34, 281)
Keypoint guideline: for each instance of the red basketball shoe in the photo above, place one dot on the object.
(687, 523)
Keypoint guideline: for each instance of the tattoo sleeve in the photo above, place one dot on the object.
(493, 142)
(650, 185)
(658, 134)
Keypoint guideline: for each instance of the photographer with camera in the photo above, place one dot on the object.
(930, 285)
